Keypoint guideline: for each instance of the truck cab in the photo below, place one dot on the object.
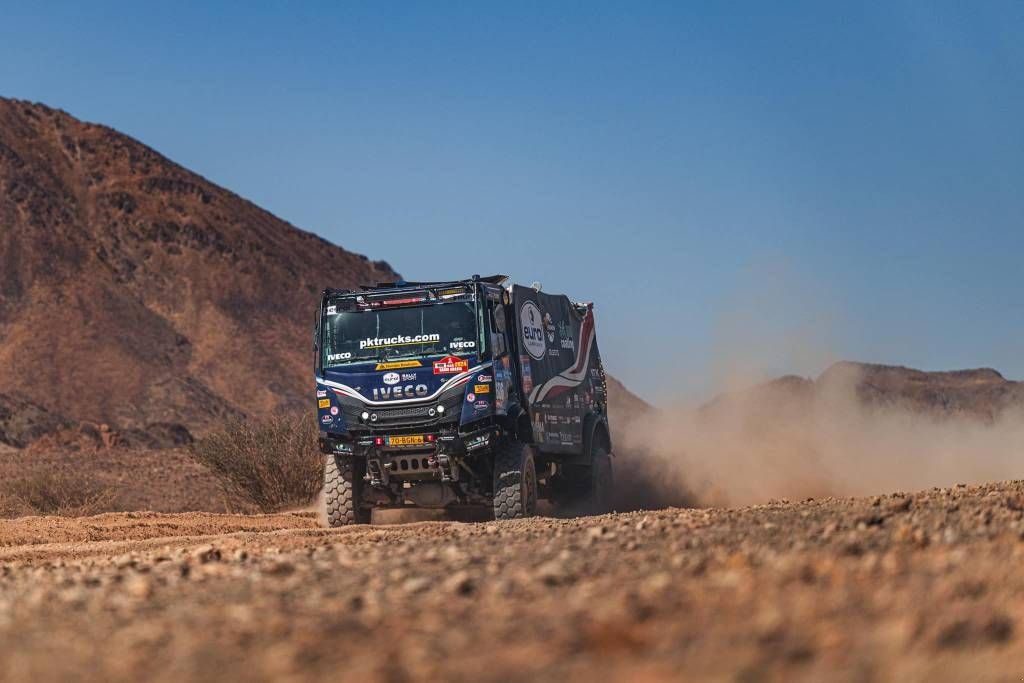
(459, 393)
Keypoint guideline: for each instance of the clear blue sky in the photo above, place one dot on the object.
(767, 185)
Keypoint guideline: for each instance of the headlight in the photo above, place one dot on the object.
(365, 416)
(440, 409)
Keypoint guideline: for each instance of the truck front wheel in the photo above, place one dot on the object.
(515, 482)
(342, 496)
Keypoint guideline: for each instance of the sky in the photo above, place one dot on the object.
(743, 189)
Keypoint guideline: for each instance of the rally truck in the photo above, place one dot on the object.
(466, 393)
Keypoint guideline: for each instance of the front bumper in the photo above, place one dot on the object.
(439, 459)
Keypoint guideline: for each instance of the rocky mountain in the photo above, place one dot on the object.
(982, 394)
(143, 304)
(137, 294)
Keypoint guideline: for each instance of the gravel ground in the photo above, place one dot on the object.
(925, 586)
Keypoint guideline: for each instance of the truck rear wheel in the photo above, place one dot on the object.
(601, 483)
(343, 484)
(586, 490)
(515, 482)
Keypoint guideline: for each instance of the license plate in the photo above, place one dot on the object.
(416, 440)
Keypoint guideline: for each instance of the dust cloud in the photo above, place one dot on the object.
(795, 438)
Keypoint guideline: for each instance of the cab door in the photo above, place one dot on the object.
(497, 325)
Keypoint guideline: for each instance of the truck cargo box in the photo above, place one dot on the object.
(562, 376)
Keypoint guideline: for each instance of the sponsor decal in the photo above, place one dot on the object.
(450, 365)
(334, 410)
(331, 357)
(527, 374)
(553, 352)
(397, 392)
(462, 345)
(320, 393)
(326, 419)
(324, 403)
(565, 336)
(483, 378)
(481, 405)
(470, 397)
(482, 388)
(408, 376)
(332, 310)
(399, 365)
(550, 327)
(392, 378)
(530, 320)
(398, 340)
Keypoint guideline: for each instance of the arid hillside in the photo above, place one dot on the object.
(138, 294)
(982, 393)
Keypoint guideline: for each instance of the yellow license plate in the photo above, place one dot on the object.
(406, 440)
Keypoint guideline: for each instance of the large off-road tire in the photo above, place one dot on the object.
(343, 484)
(587, 490)
(602, 480)
(515, 481)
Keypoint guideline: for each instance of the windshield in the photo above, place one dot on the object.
(395, 333)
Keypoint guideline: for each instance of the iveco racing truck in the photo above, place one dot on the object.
(460, 393)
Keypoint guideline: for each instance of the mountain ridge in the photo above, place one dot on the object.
(134, 292)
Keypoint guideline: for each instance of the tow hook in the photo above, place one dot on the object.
(447, 469)
(375, 474)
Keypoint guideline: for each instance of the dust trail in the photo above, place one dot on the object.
(795, 438)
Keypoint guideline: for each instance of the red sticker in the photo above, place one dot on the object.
(450, 365)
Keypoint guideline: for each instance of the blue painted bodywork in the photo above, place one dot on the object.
(388, 385)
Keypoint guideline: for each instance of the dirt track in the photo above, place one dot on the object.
(897, 587)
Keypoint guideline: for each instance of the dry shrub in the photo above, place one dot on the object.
(54, 493)
(275, 463)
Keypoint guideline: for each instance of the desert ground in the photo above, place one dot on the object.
(922, 586)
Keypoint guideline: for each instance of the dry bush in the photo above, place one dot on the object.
(54, 493)
(275, 463)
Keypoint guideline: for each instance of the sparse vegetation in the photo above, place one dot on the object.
(275, 463)
(54, 493)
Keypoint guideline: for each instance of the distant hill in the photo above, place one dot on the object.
(138, 294)
(983, 394)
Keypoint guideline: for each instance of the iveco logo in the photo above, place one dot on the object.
(391, 378)
(394, 393)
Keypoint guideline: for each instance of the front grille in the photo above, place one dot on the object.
(392, 414)
(401, 417)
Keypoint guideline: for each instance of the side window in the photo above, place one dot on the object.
(498, 342)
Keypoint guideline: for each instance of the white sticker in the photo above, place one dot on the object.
(531, 321)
